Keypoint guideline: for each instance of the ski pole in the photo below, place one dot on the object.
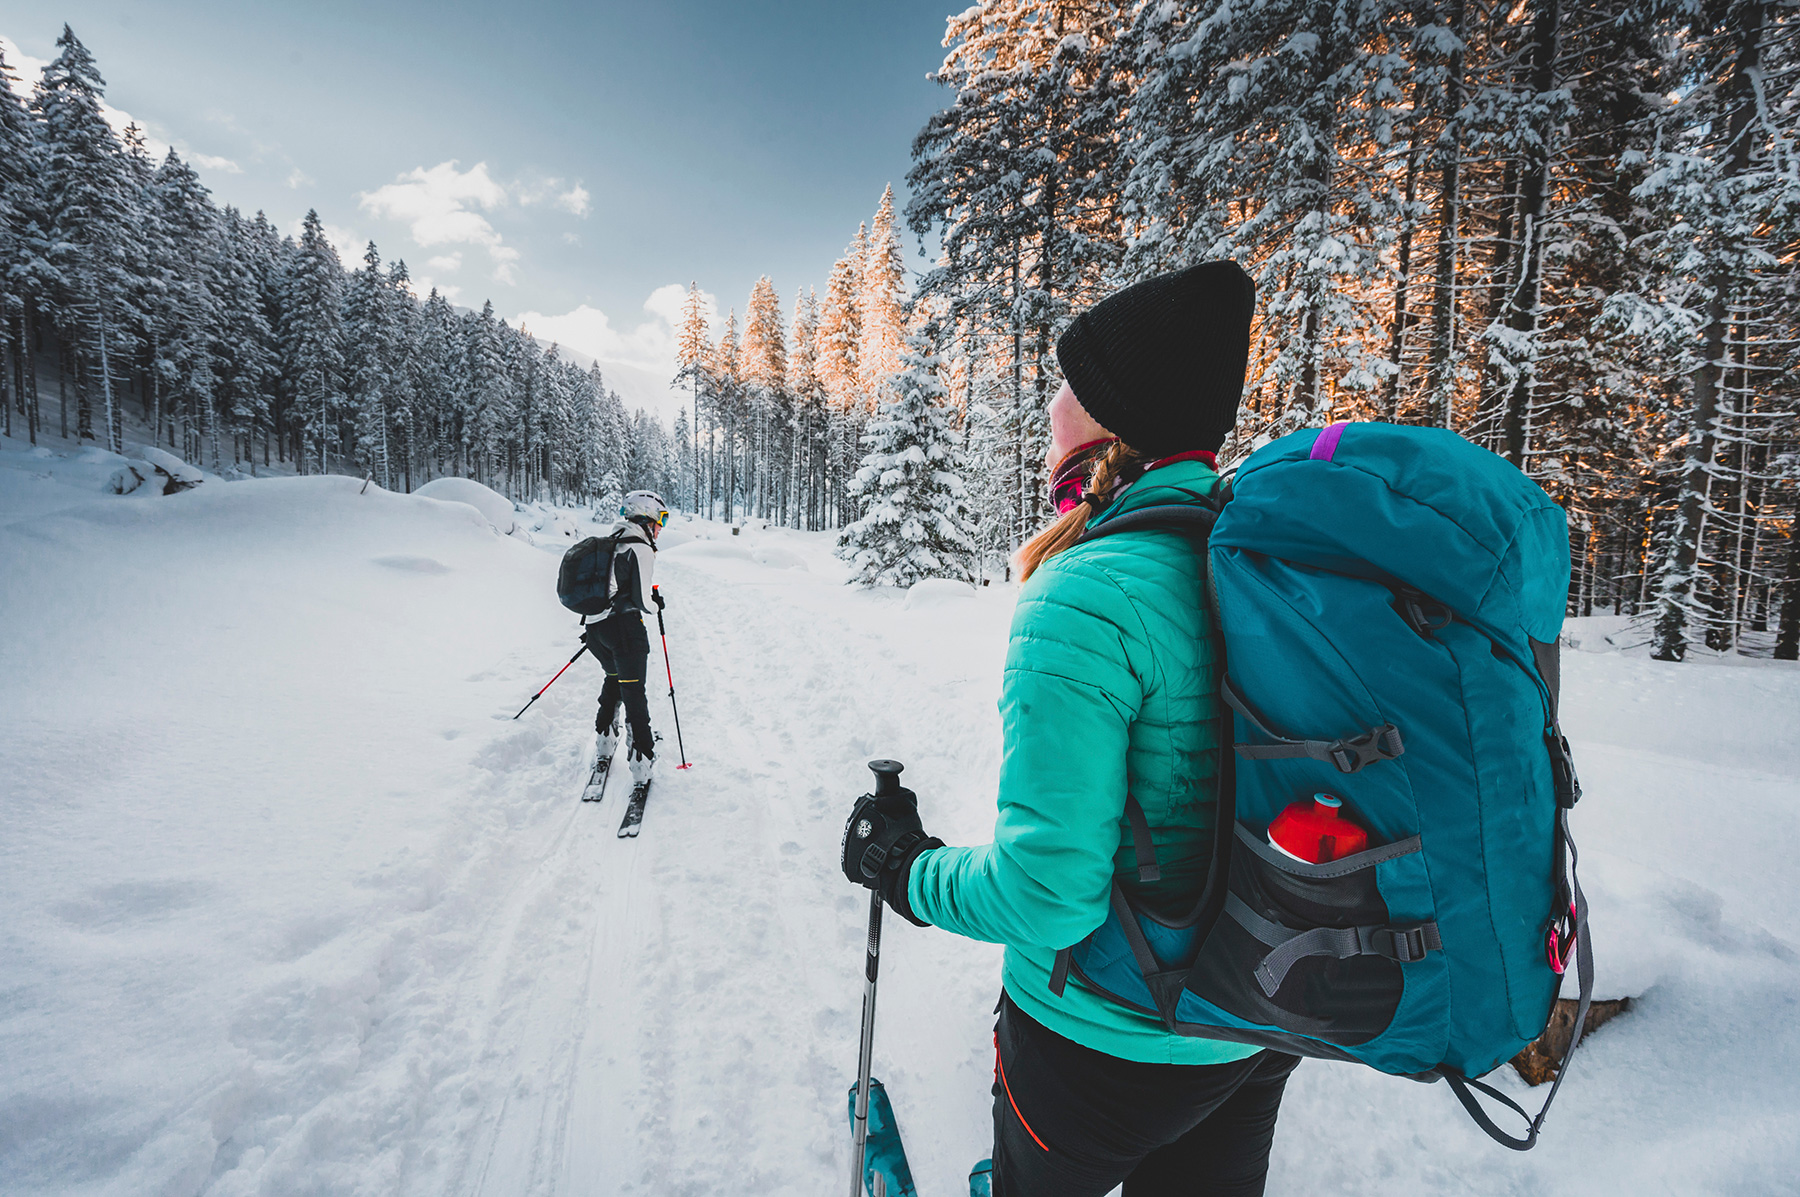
(679, 746)
(552, 681)
(887, 782)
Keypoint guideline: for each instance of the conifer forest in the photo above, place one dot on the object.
(1568, 232)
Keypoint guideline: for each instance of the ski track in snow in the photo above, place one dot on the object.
(295, 906)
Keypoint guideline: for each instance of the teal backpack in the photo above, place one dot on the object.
(1390, 600)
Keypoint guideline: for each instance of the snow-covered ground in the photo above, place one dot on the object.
(292, 905)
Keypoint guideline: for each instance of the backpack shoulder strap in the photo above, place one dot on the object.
(1190, 518)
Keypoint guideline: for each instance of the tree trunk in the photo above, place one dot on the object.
(114, 433)
(1787, 637)
(62, 382)
(1676, 591)
(1441, 379)
(1524, 305)
(1397, 351)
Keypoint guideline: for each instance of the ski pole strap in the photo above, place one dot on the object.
(1347, 753)
(1584, 973)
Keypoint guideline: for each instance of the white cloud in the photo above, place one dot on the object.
(298, 178)
(439, 203)
(212, 162)
(504, 257)
(23, 66)
(349, 244)
(650, 346)
(669, 301)
(442, 205)
(445, 262)
(574, 201)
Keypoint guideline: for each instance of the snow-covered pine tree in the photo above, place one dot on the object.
(727, 372)
(766, 399)
(811, 414)
(312, 339)
(1019, 174)
(691, 353)
(683, 491)
(245, 352)
(915, 520)
(189, 331)
(489, 394)
(435, 374)
(1729, 178)
(989, 438)
(89, 204)
(403, 397)
(840, 329)
(268, 256)
(26, 275)
(881, 287)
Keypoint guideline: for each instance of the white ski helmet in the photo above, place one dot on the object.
(645, 505)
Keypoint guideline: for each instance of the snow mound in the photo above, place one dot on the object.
(936, 592)
(496, 507)
(777, 557)
(555, 525)
(184, 474)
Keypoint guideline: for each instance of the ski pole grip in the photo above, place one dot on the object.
(887, 777)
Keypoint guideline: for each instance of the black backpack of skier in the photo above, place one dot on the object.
(584, 583)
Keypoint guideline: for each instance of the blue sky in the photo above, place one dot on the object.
(570, 162)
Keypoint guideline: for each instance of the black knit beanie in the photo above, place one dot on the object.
(1161, 364)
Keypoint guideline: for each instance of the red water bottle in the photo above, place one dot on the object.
(1316, 831)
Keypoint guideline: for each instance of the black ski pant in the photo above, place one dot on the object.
(622, 647)
(1070, 1121)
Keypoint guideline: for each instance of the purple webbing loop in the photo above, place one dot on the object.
(1327, 443)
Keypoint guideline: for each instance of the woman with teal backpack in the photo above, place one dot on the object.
(1110, 713)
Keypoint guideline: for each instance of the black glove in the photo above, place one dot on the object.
(881, 841)
(590, 636)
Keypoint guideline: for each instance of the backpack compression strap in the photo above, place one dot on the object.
(1347, 754)
(1584, 973)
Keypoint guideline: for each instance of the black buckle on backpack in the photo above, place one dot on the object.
(1377, 744)
(1562, 768)
(1406, 944)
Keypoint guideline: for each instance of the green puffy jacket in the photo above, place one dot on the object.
(1111, 684)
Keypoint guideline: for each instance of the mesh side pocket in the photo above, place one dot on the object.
(1345, 995)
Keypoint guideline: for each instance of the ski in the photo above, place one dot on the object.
(884, 1160)
(595, 790)
(634, 811)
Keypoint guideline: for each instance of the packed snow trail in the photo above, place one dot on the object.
(724, 985)
(293, 905)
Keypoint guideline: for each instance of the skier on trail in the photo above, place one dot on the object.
(1110, 691)
(617, 636)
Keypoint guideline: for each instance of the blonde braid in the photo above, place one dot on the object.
(1119, 461)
